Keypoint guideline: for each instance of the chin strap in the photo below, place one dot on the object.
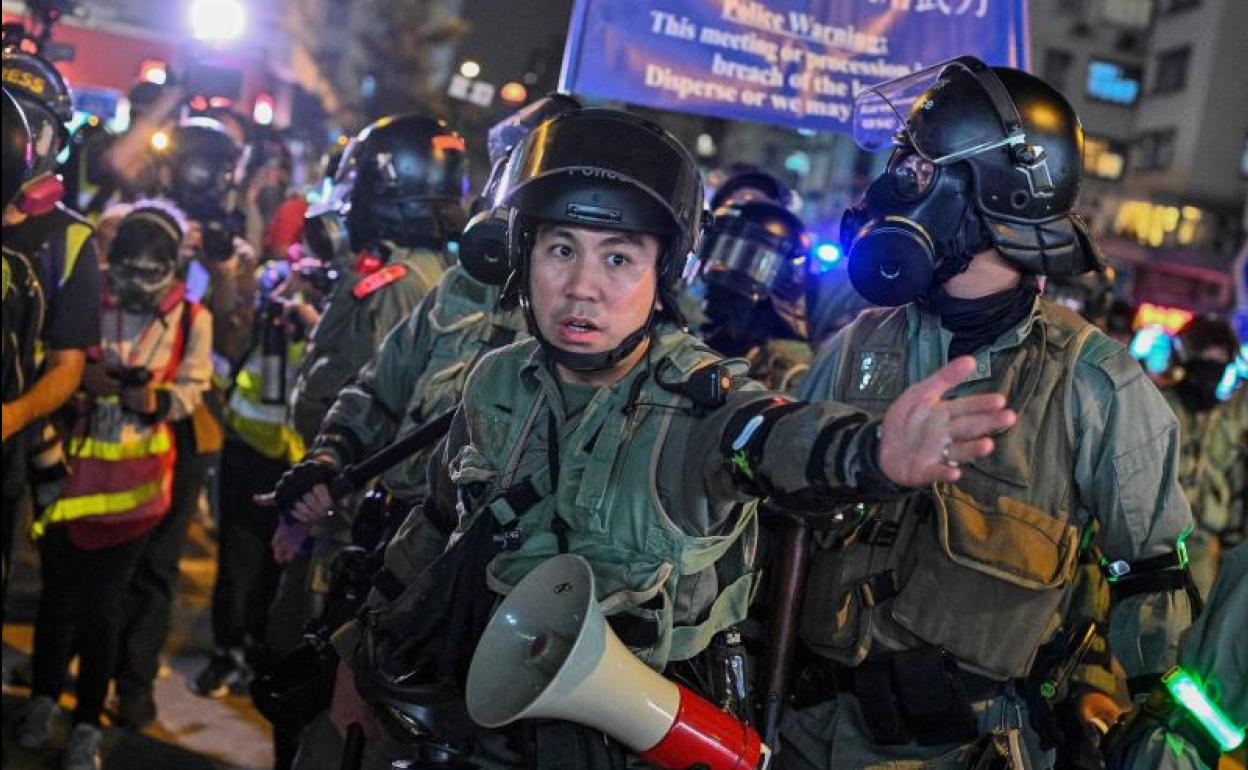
(588, 362)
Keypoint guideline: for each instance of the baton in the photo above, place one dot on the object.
(355, 476)
(782, 624)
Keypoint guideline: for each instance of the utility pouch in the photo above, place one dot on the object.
(982, 571)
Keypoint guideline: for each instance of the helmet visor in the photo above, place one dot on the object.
(947, 112)
(601, 145)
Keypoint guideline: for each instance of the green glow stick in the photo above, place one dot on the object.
(1187, 693)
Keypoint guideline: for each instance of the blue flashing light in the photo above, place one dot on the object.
(827, 254)
(1152, 345)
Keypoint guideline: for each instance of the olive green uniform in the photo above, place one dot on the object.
(360, 312)
(984, 568)
(640, 484)
(1196, 429)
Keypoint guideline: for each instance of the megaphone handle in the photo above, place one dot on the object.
(353, 748)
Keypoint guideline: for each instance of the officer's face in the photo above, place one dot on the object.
(592, 288)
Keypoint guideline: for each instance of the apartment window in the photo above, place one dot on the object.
(1056, 65)
(1132, 14)
(1113, 82)
(1104, 158)
(1154, 151)
(1175, 6)
(1171, 74)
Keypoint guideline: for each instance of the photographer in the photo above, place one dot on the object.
(259, 447)
(199, 174)
(148, 374)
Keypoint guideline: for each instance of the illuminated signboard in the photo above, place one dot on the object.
(1112, 82)
(1169, 318)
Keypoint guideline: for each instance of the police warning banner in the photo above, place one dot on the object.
(795, 62)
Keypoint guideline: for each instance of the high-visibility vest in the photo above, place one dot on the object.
(120, 467)
(263, 426)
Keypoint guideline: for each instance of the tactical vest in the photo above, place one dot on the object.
(666, 591)
(981, 567)
(464, 324)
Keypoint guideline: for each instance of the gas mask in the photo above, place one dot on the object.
(140, 281)
(325, 231)
(984, 158)
(914, 217)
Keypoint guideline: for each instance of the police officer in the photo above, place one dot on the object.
(418, 375)
(923, 629)
(753, 262)
(60, 249)
(1203, 348)
(614, 434)
(395, 205)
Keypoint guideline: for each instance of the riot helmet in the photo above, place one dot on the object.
(608, 170)
(483, 244)
(143, 257)
(756, 249)
(202, 159)
(752, 258)
(984, 157)
(46, 101)
(401, 180)
(749, 184)
(18, 152)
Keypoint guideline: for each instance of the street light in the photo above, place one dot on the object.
(217, 21)
(470, 69)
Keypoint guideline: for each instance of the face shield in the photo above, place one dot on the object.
(597, 151)
(947, 112)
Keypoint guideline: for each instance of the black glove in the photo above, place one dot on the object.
(299, 480)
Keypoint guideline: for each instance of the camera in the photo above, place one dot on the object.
(218, 239)
(134, 377)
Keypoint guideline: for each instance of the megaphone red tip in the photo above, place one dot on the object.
(706, 736)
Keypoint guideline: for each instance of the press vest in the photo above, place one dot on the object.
(981, 567)
(121, 465)
(263, 426)
(674, 588)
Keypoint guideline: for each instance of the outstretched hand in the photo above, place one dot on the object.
(925, 437)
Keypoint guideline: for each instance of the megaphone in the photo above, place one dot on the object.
(549, 653)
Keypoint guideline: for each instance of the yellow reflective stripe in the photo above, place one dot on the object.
(75, 236)
(98, 449)
(86, 506)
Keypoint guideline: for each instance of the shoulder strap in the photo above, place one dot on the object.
(383, 277)
(189, 311)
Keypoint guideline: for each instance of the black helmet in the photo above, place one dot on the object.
(202, 158)
(46, 101)
(18, 152)
(402, 180)
(483, 244)
(985, 158)
(752, 184)
(605, 169)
